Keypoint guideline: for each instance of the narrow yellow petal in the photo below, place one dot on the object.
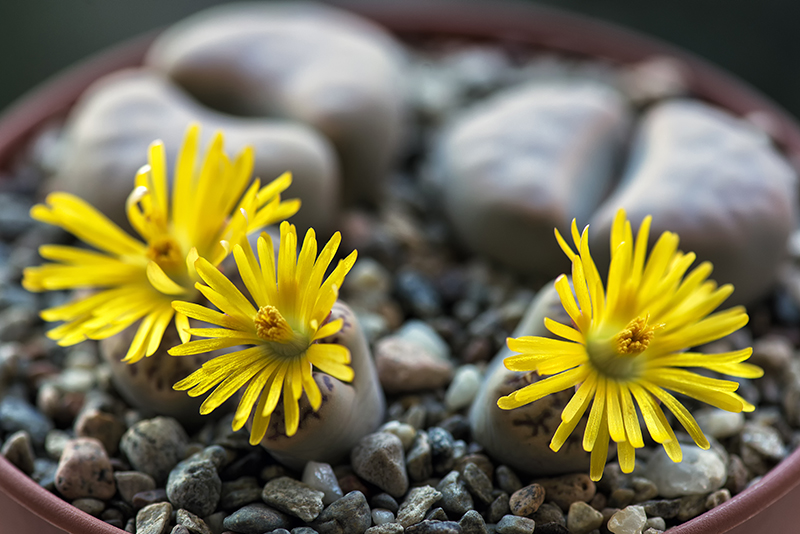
(163, 283)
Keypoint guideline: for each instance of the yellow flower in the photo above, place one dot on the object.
(284, 327)
(139, 280)
(626, 346)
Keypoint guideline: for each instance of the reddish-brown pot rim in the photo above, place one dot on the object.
(507, 21)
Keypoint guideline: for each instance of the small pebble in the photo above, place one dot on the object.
(55, 442)
(630, 520)
(384, 500)
(237, 493)
(144, 498)
(472, 523)
(195, 485)
(129, 483)
(700, 471)
(19, 451)
(507, 480)
(320, 476)
(85, 471)
(645, 489)
(91, 506)
(442, 445)
(293, 497)
(437, 514)
(179, 529)
(351, 513)
(463, 388)
(719, 424)
(255, 518)
(582, 518)
(404, 431)
(192, 522)
(388, 528)
(512, 524)
(434, 527)
(456, 499)
(717, 498)
(549, 516)
(657, 523)
(498, 508)
(691, 506)
(378, 458)
(478, 483)
(405, 366)
(527, 500)
(622, 497)
(381, 516)
(416, 504)
(154, 518)
(567, 489)
(155, 446)
(765, 440)
(666, 508)
(16, 414)
(419, 460)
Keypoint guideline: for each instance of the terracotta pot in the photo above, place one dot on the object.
(773, 505)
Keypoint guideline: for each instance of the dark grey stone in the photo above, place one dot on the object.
(293, 497)
(350, 514)
(17, 414)
(472, 523)
(434, 527)
(195, 486)
(256, 518)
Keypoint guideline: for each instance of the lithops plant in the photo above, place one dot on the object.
(290, 326)
(127, 285)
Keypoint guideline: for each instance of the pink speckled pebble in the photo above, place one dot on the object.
(85, 471)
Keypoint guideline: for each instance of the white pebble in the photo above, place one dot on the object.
(422, 334)
(718, 423)
(630, 520)
(404, 431)
(700, 472)
(320, 477)
(463, 388)
(381, 516)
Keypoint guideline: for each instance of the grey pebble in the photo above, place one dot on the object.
(239, 492)
(179, 529)
(192, 522)
(215, 521)
(388, 528)
(17, 414)
(279, 531)
(434, 527)
(293, 497)
(765, 440)
(507, 480)
(666, 508)
(478, 483)
(645, 489)
(456, 499)
(416, 504)
(129, 483)
(622, 497)
(442, 443)
(512, 524)
(498, 508)
(657, 523)
(381, 516)
(582, 518)
(350, 514)
(691, 506)
(378, 458)
(419, 460)
(320, 476)
(255, 518)
(700, 471)
(91, 506)
(195, 486)
(44, 473)
(154, 518)
(549, 516)
(384, 500)
(154, 446)
(303, 530)
(19, 451)
(472, 523)
(54, 443)
(717, 498)
(437, 514)
(144, 498)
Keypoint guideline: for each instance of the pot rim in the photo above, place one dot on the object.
(503, 20)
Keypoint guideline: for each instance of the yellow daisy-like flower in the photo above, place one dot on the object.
(626, 346)
(211, 207)
(284, 328)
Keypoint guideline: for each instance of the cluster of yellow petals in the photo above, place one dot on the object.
(212, 208)
(628, 345)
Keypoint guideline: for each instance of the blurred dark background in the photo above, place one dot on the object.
(755, 40)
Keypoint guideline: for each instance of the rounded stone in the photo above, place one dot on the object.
(293, 497)
(582, 518)
(512, 524)
(194, 485)
(406, 366)
(18, 450)
(256, 518)
(129, 483)
(102, 426)
(378, 458)
(567, 489)
(527, 500)
(463, 388)
(17, 414)
(700, 472)
(630, 520)
(456, 499)
(85, 471)
(351, 513)
(320, 476)
(154, 446)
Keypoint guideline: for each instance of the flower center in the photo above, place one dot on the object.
(635, 337)
(166, 252)
(271, 326)
(615, 357)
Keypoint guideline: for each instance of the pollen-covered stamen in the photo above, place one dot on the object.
(271, 326)
(636, 337)
(166, 252)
